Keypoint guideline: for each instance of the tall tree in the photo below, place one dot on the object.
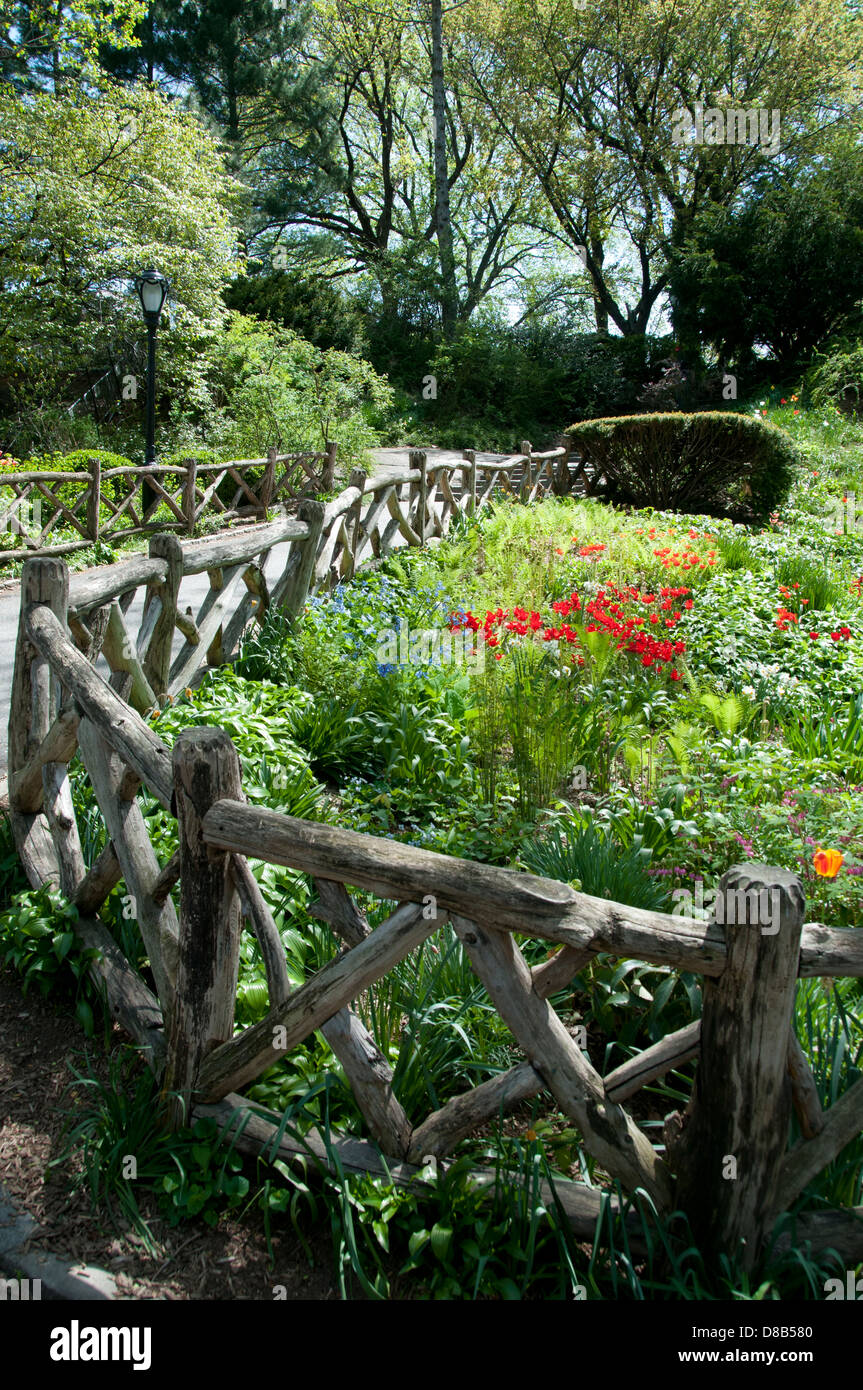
(45, 44)
(587, 98)
(443, 224)
(417, 189)
(95, 187)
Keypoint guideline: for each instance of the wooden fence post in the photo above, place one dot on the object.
(94, 498)
(357, 479)
(206, 769)
(269, 481)
(53, 851)
(470, 456)
(189, 495)
(527, 477)
(292, 590)
(735, 1131)
(417, 459)
(328, 478)
(157, 652)
(562, 480)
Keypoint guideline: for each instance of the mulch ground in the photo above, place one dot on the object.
(38, 1038)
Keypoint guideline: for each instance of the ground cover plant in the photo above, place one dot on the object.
(626, 700)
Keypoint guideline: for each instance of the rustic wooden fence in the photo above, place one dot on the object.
(132, 496)
(726, 1160)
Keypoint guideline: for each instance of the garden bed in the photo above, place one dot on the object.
(627, 701)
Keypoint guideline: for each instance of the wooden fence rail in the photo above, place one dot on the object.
(752, 1072)
(120, 502)
(255, 487)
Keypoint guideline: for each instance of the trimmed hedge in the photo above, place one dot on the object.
(709, 461)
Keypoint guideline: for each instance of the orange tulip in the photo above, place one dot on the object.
(827, 862)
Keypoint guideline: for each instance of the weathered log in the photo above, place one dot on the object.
(58, 746)
(102, 876)
(120, 654)
(35, 848)
(129, 1001)
(167, 879)
(211, 616)
(253, 604)
(60, 814)
(91, 590)
(128, 831)
(123, 729)
(260, 1132)
(369, 544)
(609, 1134)
(34, 705)
(44, 584)
(671, 1051)
(255, 910)
(337, 907)
(391, 870)
(558, 971)
(411, 536)
(354, 519)
(444, 1129)
(503, 897)
(371, 1080)
(261, 1046)
(291, 590)
(162, 600)
(206, 768)
(842, 1123)
(730, 1156)
(190, 495)
(236, 547)
(367, 1070)
(804, 1092)
(841, 1231)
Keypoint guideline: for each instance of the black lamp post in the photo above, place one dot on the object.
(152, 289)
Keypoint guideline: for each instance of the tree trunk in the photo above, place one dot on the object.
(443, 224)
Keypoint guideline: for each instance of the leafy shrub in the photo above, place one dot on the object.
(37, 940)
(274, 389)
(498, 385)
(708, 461)
(836, 375)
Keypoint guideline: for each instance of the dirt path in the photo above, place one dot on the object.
(38, 1039)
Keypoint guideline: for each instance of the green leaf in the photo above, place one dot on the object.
(441, 1239)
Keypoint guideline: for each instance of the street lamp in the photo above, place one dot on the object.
(152, 289)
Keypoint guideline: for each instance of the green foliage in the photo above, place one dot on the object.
(38, 940)
(704, 461)
(782, 269)
(187, 1173)
(835, 376)
(72, 241)
(498, 385)
(275, 390)
(588, 857)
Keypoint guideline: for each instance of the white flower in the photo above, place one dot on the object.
(748, 691)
